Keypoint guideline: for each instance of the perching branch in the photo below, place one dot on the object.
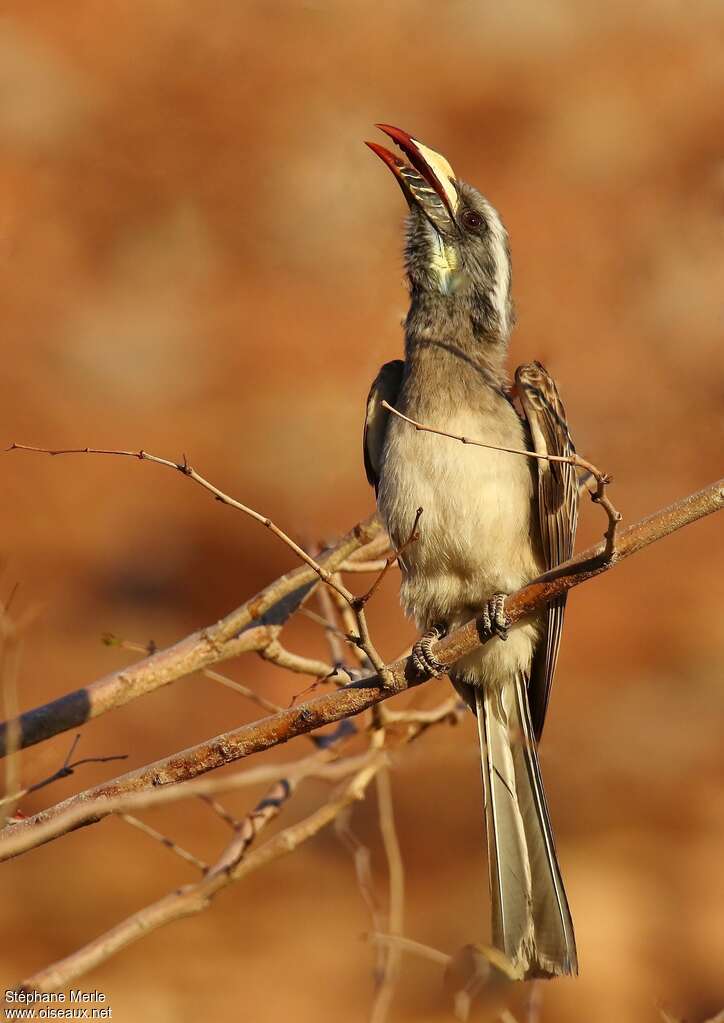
(88, 807)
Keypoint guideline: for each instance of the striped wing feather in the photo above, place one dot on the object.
(557, 510)
(386, 387)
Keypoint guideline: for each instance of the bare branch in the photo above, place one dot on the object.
(396, 873)
(334, 634)
(249, 627)
(10, 650)
(168, 843)
(65, 770)
(362, 860)
(189, 472)
(394, 557)
(361, 567)
(89, 806)
(232, 865)
(215, 676)
(320, 569)
(283, 658)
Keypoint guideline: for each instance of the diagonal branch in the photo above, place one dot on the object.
(232, 865)
(357, 696)
(250, 627)
(188, 470)
(323, 572)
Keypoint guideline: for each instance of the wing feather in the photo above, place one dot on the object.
(557, 512)
(386, 387)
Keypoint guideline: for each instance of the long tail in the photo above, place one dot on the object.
(531, 920)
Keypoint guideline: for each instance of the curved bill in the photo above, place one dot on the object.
(427, 181)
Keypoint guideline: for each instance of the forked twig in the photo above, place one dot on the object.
(64, 771)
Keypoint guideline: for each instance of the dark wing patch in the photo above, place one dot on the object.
(386, 387)
(557, 512)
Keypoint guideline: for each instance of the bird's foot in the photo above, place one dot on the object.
(425, 663)
(494, 621)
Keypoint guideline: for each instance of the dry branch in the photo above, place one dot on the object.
(251, 627)
(88, 807)
(231, 866)
(320, 569)
(396, 874)
(233, 863)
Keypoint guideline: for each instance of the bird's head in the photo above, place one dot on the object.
(457, 247)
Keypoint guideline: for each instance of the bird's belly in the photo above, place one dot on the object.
(474, 535)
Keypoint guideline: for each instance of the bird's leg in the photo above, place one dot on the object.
(494, 621)
(426, 664)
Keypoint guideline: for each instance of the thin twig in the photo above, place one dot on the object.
(332, 630)
(599, 494)
(215, 676)
(275, 653)
(186, 469)
(396, 875)
(64, 771)
(393, 559)
(100, 806)
(10, 651)
(168, 843)
(221, 811)
(434, 955)
(239, 687)
(450, 711)
(362, 861)
(306, 612)
(364, 567)
(350, 625)
(574, 459)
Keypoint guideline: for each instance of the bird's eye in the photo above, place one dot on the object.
(472, 220)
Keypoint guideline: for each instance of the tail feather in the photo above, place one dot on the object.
(531, 919)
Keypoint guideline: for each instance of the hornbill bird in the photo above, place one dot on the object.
(491, 521)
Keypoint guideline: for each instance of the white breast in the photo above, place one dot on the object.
(475, 529)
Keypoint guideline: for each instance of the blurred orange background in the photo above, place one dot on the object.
(199, 256)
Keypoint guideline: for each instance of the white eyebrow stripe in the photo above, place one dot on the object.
(501, 265)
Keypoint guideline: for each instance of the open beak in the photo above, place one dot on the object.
(427, 181)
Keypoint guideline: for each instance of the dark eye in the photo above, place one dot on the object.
(472, 220)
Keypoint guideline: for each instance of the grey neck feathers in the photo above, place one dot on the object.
(453, 336)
